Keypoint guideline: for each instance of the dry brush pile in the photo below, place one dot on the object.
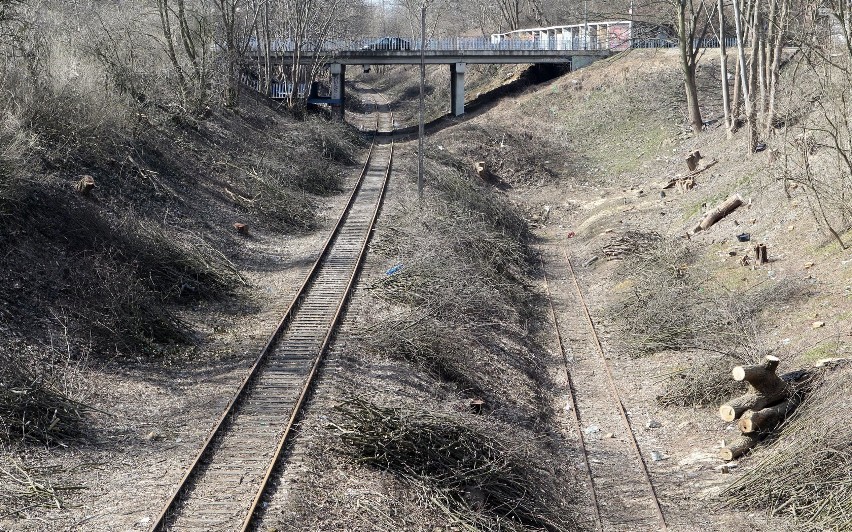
(481, 478)
(457, 308)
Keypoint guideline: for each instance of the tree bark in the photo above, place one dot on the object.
(686, 35)
(723, 209)
(723, 65)
(768, 419)
(765, 389)
(738, 447)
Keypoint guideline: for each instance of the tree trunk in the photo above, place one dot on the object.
(723, 62)
(753, 128)
(767, 419)
(765, 389)
(723, 209)
(775, 69)
(688, 65)
(741, 64)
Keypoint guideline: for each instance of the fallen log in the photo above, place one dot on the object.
(723, 209)
(738, 447)
(768, 419)
(766, 388)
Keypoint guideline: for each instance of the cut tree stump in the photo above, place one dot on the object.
(768, 419)
(738, 447)
(85, 185)
(760, 254)
(723, 209)
(481, 169)
(765, 389)
(692, 160)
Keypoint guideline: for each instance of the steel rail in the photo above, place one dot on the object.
(573, 397)
(220, 427)
(616, 397)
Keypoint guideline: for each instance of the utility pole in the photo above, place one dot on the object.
(422, 90)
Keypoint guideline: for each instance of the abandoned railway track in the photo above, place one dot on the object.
(224, 486)
(621, 492)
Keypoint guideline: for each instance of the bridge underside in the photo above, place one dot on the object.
(457, 60)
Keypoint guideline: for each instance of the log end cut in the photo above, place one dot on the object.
(738, 447)
(727, 413)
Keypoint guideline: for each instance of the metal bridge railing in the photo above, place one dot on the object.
(461, 44)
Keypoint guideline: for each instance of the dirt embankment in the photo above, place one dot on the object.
(131, 310)
(586, 155)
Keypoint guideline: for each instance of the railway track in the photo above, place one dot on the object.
(622, 494)
(225, 484)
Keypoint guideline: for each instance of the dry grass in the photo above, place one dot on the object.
(807, 472)
(673, 306)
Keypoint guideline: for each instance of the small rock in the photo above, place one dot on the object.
(791, 228)
(809, 265)
(818, 324)
(609, 435)
(652, 424)
(657, 456)
(241, 228)
(152, 436)
(592, 429)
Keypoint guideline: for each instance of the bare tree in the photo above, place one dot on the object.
(237, 20)
(188, 34)
(692, 25)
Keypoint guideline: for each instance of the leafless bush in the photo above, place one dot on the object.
(818, 141)
(807, 472)
(481, 480)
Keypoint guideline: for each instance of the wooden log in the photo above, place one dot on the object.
(723, 209)
(768, 419)
(738, 447)
(762, 377)
(765, 389)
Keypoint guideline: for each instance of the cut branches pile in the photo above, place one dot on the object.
(468, 471)
(806, 473)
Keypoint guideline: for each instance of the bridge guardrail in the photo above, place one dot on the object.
(474, 44)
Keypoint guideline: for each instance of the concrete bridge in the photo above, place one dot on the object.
(573, 45)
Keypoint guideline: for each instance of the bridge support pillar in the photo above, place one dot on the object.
(457, 88)
(338, 87)
(579, 61)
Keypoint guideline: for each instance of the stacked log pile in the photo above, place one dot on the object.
(766, 404)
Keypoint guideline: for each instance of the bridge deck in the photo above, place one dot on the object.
(443, 57)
